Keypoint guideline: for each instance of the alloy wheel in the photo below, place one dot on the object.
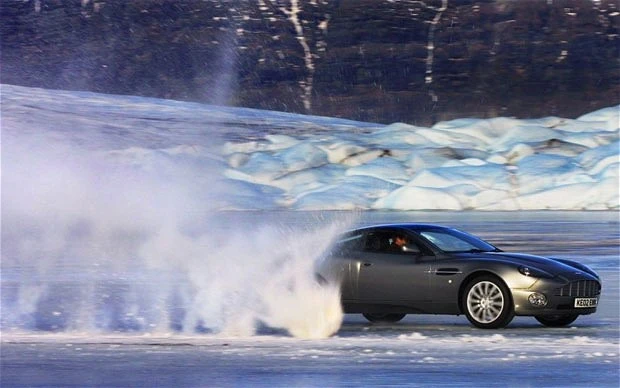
(487, 302)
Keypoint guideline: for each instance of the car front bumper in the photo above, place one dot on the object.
(560, 296)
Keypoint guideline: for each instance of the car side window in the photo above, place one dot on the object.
(447, 242)
(389, 242)
(373, 243)
(351, 242)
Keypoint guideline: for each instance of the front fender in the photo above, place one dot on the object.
(509, 274)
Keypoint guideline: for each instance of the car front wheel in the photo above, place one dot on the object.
(556, 320)
(487, 303)
(383, 318)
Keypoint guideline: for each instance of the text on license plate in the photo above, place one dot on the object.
(585, 302)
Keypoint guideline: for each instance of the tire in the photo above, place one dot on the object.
(487, 303)
(556, 320)
(383, 318)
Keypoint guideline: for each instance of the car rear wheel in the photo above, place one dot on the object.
(556, 320)
(487, 303)
(383, 318)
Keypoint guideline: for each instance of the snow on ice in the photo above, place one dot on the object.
(317, 163)
(482, 164)
(112, 237)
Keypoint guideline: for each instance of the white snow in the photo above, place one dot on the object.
(485, 164)
(506, 163)
(76, 180)
(111, 225)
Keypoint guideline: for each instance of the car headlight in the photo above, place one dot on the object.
(537, 299)
(534, 272)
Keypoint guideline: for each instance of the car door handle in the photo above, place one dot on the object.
(367, 264)
(447, 271)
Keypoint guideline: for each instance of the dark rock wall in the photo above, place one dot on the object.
(372, 60)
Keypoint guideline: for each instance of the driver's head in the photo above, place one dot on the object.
(400, 240)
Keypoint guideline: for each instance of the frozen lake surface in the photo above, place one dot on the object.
(420, 350)
(276, 161)
(119, 267)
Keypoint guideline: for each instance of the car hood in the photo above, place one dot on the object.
(546, 264)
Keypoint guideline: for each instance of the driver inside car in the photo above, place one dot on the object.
(397, 243)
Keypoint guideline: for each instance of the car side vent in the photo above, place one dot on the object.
(580, 288)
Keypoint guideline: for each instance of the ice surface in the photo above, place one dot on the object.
(304, 162)
(510, 164)
(120, 268)
(406, 354)
(114, 225)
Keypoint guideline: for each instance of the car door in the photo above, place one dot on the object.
(447, 275)
(343, 263)
(392, 277)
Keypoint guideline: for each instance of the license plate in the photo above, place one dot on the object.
(585, 302)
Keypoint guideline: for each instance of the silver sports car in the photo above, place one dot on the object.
(388, 271)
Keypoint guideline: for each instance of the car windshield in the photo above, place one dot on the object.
(451, 240)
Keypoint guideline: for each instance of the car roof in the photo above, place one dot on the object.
(401, 225)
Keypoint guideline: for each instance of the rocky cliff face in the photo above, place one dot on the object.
(373, 60)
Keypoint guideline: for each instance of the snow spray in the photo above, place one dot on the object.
(131, 240)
